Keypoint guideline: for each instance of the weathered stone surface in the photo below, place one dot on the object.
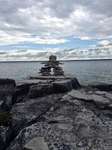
(7, 85)
(100, 99)
(103, 87)
(28, 82)
(57, 86)
(78, 120)
(62, 86)
(37, 143)
(20, 93)
(80, 94)
(68, 127)
(3, 137)
(7, 102)
(40, 90)
(75, 83)
(7, 89)
(66, 85)
(23, 113)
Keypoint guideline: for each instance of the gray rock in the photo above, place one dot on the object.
(102, 87)
(23, 113)
(108, 95)
(100, 92)
(62, 86)
(57, 86)
(7, 89)
(20, 93)
(40, 90)
(100, 100)
(28, 82)
(7, 86)
(37, 143)
(68, 121)
(3, 137)
(75, 127)
(75, 83)
(80, 94)
(7, 102)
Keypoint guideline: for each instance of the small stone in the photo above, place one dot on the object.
(65, 126)
(100, 92)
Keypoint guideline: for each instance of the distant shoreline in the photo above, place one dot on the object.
(59, 60)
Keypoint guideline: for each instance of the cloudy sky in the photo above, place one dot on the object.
(36, 28)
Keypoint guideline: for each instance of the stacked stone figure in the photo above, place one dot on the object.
(52, 64)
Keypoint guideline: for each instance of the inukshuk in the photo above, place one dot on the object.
(51, 64)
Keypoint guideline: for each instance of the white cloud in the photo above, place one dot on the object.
(54, 19)
(104, 52)
(104, 42)
(21, 38)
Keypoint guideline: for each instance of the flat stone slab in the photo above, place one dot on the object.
(83, 95)
(80, 95)
(36, 143)
(30, 82)
(50, 77)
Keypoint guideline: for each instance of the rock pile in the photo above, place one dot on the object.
(52, 64)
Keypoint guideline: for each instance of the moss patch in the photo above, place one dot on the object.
(5, 118)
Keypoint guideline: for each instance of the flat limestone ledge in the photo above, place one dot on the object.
(31, 81)
(51, 77)
(101, 98)
(48, 85)
(43, 79)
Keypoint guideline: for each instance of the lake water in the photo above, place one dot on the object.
(87, 72)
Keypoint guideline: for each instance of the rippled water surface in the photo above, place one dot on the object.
(88, 72)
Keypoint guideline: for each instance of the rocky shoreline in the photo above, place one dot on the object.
(55, 113)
